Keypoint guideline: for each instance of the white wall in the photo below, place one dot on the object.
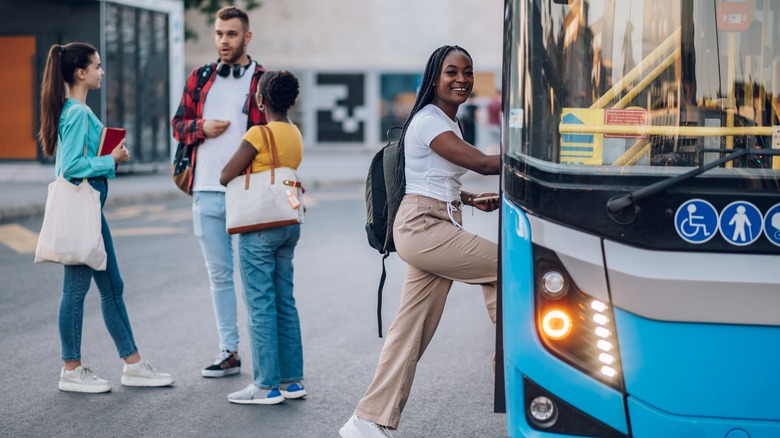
(370, 37)
(356, 34)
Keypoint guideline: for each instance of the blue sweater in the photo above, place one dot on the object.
(80, 126)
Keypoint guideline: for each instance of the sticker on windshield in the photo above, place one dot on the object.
(696, 221)
(741, 223)
(772, 224)
(516, 118)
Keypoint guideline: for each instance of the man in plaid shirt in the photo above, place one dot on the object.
(215, 119)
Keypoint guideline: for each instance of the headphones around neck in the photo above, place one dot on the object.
(237, 69)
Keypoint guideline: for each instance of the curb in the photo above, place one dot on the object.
(38, 209)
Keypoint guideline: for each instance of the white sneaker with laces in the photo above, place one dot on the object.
(357, 427)
(82, 379)
(145, 375)
(252, 395)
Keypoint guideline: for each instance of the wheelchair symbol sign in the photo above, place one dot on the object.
(741, 223)
(772, 224)
(696, 221)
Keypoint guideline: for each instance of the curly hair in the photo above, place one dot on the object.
(279, 89)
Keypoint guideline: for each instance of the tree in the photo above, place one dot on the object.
(210, 7)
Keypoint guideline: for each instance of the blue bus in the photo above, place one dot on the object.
(640, 218)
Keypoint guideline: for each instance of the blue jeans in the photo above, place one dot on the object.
(208, 220)
(110, 286)
(266, 259)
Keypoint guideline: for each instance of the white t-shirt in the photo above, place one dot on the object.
(224, 101)
(428, 173)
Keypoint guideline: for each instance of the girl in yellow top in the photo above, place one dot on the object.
(266, 256)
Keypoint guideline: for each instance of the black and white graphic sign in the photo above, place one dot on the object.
(341, 107)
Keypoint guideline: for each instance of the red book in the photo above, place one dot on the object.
(109, 140)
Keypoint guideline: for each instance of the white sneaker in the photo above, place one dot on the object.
(252, 395)
(82, 379)
(145, 375)
(357, 427)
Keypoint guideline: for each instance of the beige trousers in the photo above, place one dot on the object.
(437, 253)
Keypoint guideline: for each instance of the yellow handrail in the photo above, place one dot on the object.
(671, 59)
(632, 152)
(685, 131)
(655, 55)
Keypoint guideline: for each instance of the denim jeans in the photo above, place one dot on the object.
(266, 259)
(208, 219)
(110, 285)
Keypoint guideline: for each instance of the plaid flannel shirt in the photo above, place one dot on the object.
(187, 122)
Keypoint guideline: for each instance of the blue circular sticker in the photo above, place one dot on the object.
(741, 223)
(772, 224)
(696, 221)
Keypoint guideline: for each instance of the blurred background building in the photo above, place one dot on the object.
(141, 43)
(359, 62)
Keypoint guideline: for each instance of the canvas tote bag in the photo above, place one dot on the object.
(71, 230)
(262, 200)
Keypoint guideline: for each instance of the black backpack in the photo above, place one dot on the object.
(380, 190)
(182, 159)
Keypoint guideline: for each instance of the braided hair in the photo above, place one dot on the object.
(425, 95)
(279, 89)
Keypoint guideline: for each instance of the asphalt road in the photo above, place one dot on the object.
(169, 303)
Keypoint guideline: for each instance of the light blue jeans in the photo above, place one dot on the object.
(110, 285)
(208, 220)
(266, 259)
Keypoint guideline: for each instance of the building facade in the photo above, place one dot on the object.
(141, 47)
(360, 61)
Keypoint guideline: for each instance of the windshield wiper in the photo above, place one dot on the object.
(619, 203)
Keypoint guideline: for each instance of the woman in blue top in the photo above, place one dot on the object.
(68, 126)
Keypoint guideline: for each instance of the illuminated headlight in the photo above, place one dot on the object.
(556, 324)
(574, 326)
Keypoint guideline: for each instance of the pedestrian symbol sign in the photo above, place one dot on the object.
(772, 224)
(741, 223)
(696, 221)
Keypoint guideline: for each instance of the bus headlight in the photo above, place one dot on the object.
(543, 410)
(572, 325)
(556, 324)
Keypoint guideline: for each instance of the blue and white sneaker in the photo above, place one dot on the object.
(291, 390)
(252, 395)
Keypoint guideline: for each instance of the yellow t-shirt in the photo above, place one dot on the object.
(289, 146)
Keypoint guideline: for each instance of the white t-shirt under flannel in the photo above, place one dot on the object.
(224, 101)
(428, 173)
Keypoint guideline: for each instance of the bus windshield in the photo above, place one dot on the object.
(645, 87)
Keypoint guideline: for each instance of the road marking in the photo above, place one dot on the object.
(148, 231)
(175, 215)
(133, 211)
(18, 238)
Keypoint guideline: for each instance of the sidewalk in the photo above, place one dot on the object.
(24, 185)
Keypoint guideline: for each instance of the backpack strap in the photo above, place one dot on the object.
(379, 294)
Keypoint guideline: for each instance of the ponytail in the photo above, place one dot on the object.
(61, 65)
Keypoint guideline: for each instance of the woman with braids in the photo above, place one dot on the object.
(266, 256)
(428, 235)
(68, 127)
